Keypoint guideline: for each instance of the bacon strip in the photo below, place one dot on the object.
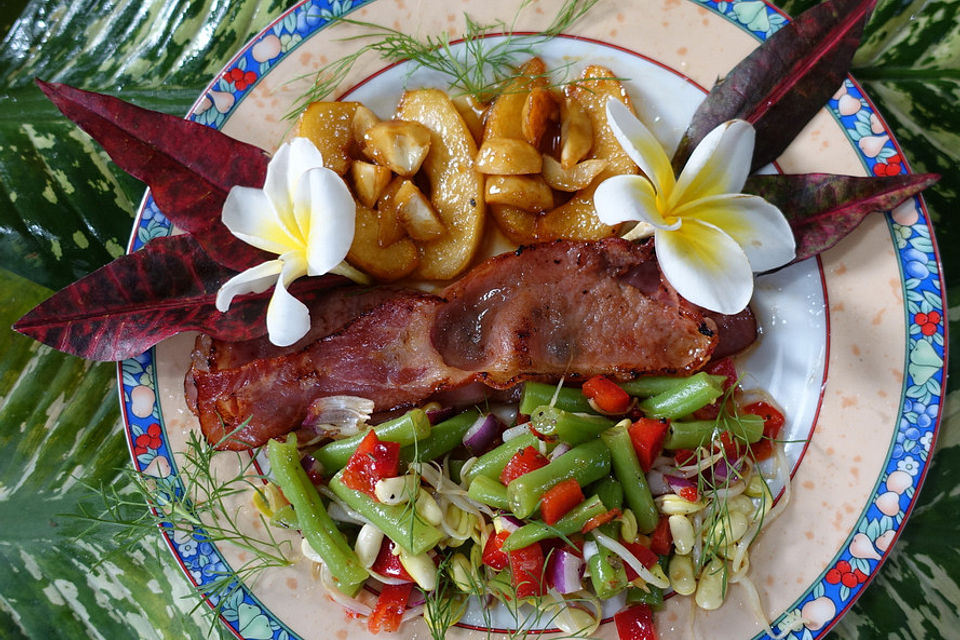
(569, 308)
(564, 308)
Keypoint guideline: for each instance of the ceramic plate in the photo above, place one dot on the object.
(852, 343)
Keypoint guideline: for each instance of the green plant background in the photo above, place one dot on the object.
(65, 210)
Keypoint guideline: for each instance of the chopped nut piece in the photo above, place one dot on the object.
(363, 119)
(369, 181)
(508, 157)
(576, 133)
(417, 214)
(397, 144)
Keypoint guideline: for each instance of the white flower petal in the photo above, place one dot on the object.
(250, 216)
(705, 266)
(641, 145)
(288, 319)
(629, 198)
(291, 161)
(326, 211)
(719, 164)
(757, 226)
(254, 280)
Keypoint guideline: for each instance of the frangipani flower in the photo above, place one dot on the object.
(709, 238)
(306, 215)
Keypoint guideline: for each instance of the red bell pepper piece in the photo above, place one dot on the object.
(388, 564)
(599, 520)
(523, 461)
(526, 565)
(772, 423)
(391, 603)
(723, 367)
(373, 460)
(493, 554)
(684, 457)
(646, 557)
(661, 538)
(635, 623)
(647, 435)
(559, 499)
(606, 395)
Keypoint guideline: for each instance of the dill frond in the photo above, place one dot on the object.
(478, 67)
(193, 503)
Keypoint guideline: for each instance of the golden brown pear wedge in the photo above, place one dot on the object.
(383, 263)
(456, 188)
(330, 126)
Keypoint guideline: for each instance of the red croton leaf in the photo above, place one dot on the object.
(134, 302)
(188, 166)
(781, 85)
(823, 208)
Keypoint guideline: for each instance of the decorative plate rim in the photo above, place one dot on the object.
(925, 359)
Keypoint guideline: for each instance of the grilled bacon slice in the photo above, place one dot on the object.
(565, 308)
(570, 309)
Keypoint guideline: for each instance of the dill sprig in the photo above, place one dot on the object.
(195, 502)
(477, 67)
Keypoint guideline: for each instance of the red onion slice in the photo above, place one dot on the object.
(509, 522)
(677, 483)
(565, 571)
(559, 450)
(482, 434)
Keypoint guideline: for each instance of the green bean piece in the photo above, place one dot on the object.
(571, 522)
(444, 437)
(455, 466)
(606, 568)
(490, 492)
(690, 435)
(585, 463)
(315, 523)
(538, 394)
(627, 470)
(399, 522)
(610, 492)
(653, 596)
(693, 393)
(491, 463)
(651, 385)
(572, 428)
(411, 427)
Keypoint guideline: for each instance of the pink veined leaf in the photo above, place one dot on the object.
(781, 85)
(188, 166)
(823, 208)
(129, 305)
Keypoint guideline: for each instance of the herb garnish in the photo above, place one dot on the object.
(193, 503)
(477, 69)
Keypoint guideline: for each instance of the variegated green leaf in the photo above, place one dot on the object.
(59, 434)
(65, 210)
